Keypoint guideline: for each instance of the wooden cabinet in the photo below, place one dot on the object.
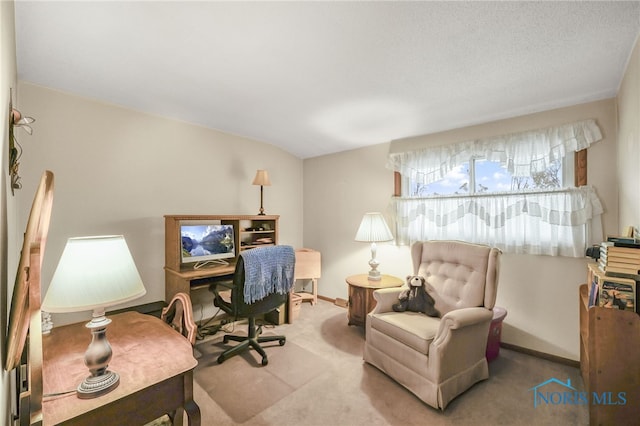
(361, 300)
(609, 361)
(249, 232)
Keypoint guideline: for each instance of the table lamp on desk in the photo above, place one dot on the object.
(94, 273)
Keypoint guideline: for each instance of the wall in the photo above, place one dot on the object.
(118, 171)
(9, 242)
(539, 292)
(628, 172)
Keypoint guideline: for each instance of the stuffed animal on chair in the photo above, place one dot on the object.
(415, 298)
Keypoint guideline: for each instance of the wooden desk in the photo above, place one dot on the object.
(154, 362)
(361, 300)
(180, 281)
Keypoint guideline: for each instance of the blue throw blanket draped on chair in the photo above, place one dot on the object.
(267, 270)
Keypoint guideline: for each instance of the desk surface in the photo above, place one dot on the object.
(205, 271)
(147, 354)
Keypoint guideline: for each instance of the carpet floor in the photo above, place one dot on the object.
(318, 378)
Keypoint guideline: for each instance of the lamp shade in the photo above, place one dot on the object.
(373, 228)
(262, 178)
(93, 272)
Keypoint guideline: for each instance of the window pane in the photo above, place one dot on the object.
(492, 177)
(548, 179)
(454, 182)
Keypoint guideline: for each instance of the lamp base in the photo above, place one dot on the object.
(374, 275)
(96, 358)
(95, 386)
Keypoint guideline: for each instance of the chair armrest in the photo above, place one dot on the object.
(385, 298)
(222, 290)
(461, 318)
(461, 341)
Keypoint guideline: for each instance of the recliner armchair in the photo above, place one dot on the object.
(438, 358)
(270, 262)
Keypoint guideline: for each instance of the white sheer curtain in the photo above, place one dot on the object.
(557, 223)
(561, 222)
(521, 153)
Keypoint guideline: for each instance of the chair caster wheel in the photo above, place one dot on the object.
(221, 359)
(282, 342)
(265, 361)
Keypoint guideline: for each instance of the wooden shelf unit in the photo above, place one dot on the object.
(183, 278)
(609, 359)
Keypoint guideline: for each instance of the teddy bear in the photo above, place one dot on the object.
(415, 298)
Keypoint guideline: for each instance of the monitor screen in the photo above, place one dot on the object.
(205, 243)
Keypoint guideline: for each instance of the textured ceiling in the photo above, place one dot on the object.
(320, 77)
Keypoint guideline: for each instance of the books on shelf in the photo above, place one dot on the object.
(595, 276)
(617, 293)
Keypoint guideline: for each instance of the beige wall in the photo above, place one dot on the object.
(119, 171)
(9, 241)
(539, 292)
(628, 170)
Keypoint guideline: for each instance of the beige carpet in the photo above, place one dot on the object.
(318, 378)
(242, 387)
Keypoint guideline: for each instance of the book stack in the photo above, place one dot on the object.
(618, 260)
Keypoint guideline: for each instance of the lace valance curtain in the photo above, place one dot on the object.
(521, 153)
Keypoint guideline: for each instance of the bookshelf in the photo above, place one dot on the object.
(609, 355)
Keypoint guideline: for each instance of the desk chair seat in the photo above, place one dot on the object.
(277, 261)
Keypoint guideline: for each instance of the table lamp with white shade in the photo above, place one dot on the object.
(94, 273)
(373, 229)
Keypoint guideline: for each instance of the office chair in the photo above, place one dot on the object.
(262, 281)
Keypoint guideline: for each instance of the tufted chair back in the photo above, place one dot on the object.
(462, 275)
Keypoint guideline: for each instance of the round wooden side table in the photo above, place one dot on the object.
(361, 300)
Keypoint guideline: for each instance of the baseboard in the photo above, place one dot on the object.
(338, 301)
(542, 355)
(326, 299)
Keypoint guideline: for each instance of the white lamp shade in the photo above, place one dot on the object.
(93, 272)
(373, 228)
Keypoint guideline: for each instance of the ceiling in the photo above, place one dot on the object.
(321, 77)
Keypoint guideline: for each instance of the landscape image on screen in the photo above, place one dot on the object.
(206, 241)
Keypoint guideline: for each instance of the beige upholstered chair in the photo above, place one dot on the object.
(438, 358)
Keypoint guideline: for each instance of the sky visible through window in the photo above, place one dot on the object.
(490, 177)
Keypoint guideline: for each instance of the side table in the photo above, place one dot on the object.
(361, 300)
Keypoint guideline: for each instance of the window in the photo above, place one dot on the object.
(482, 176)
(505, 191)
